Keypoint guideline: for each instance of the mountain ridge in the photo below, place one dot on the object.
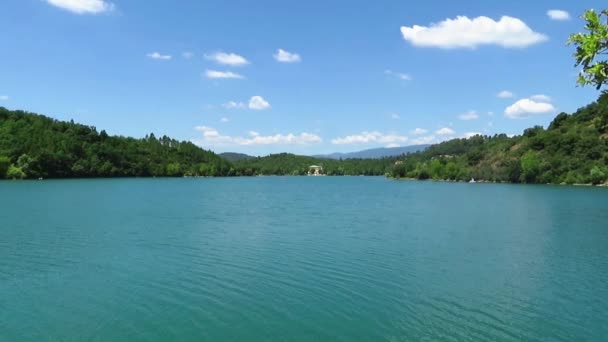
(375, 153)
(371, 153)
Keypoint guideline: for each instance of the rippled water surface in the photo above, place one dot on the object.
(301, 258)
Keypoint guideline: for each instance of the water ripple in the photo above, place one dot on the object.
(261, 258)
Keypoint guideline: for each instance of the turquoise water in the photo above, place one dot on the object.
(301, 258)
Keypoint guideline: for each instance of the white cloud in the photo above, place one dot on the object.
(468, 135)
(212, 137)
(222, 74)
(4, 97)
(159, 56)
(424, 140)
(419, 131)
(445, 131)
(187, 55)
(527, 107)
(490, 113)
(555, 14)
(83, 6)
(392, 145)
(540, 98)
(255, 103)
(224, 120)
(258, 103)
(231, 59)
(505, 94)
(370, 137)
(286, 56)
(234, 105)
(395, 116)
(463, 32)
(399, 75)
(470, 115)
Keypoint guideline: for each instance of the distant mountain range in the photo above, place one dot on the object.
(376, 153)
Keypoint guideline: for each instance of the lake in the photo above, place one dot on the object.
(301, 258)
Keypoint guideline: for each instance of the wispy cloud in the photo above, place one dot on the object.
(470, 115)
(258, 103)
(424, 140)
(234, 105)
(419, 131)
(399, 75)
(505, 94)
(463, 32)
(224, 120)
(83, 6)
(287, 57)
(370, 137)
(215, 74)
(445, 131)
(559, 15)
(540, 98)
(187, 55)
(4, 97)
(231, 59)
(158, 56)
(212, 137)
(395, 116)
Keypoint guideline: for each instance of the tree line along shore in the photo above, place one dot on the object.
(573, 149)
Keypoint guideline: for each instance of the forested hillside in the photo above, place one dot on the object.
(573, 149)
(234, 157)
(290, 164)
(33, 146)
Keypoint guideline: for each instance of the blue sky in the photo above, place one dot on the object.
(350, 75)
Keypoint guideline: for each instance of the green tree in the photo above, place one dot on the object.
(530, 166)
(174, 169)
(5, 163)
(15, 172)
(422, 171)
(513, 171)
(597, 176)
(452, 171)
(572, 178)
(436, 169)
(29, 166)
(590, 46)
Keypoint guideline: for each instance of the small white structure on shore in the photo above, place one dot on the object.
(315, 170)
(472, 180)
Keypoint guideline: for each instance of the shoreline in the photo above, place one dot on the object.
(604, 185)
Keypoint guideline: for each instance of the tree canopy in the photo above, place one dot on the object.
(290, 164)
(33, 146)
(590, 46)
(573, 149)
